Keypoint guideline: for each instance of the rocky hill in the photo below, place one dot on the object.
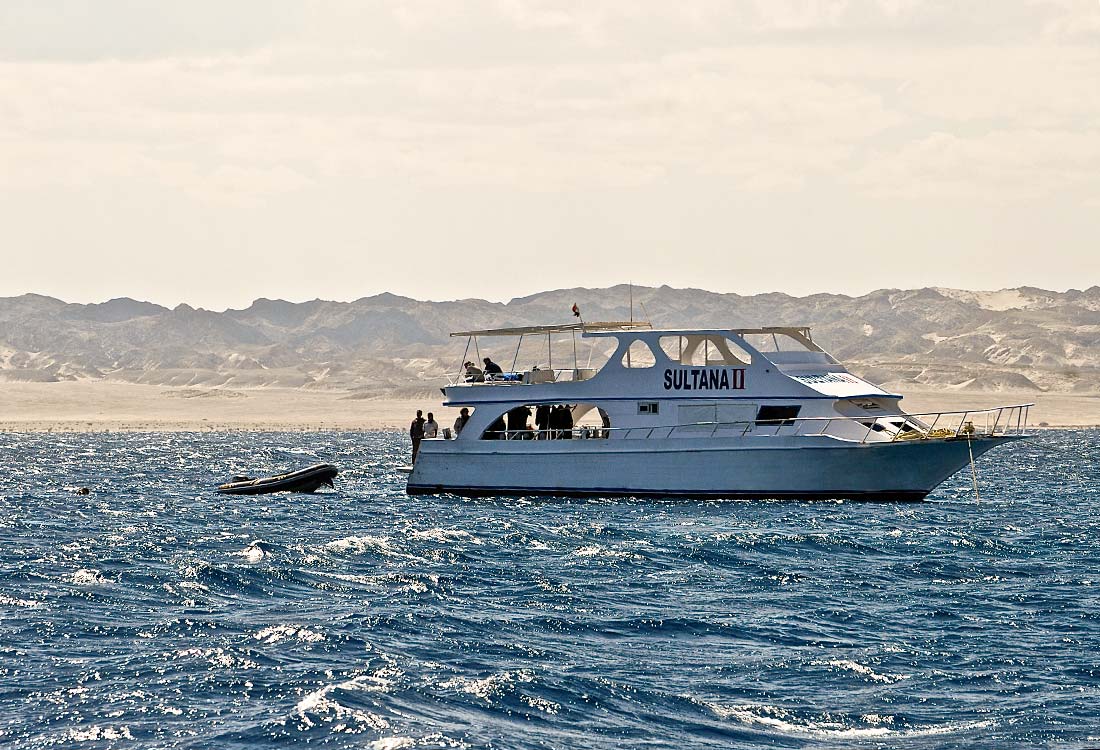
(1021, 339)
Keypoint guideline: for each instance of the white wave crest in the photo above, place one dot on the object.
(400, 743)
(392, 743)
(280, 633)
(320, 706)
(359, 544)
(219, 657)
(595, 550)
(87, 576)
(96, 734)
(783, 721)
(491, 687)
(865, 671)
(446, 535)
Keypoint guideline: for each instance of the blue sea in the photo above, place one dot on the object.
(152, 612)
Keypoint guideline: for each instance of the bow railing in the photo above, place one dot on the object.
(999, 421)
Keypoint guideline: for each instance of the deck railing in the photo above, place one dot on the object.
(998, 421)
(529, 377)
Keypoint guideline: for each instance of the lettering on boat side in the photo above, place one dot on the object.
(705, 379)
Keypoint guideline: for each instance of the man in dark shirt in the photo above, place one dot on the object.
(517, 422)
(542, 421)
(416, 432)
(491, 367)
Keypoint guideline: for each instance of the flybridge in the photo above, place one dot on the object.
(712, 359)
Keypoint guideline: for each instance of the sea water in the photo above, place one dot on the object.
(152, 612)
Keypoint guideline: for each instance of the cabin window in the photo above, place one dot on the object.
(777, 415)
(778, 341)
(649, 407)
(893, 426)
(704, 350)
(639, 355)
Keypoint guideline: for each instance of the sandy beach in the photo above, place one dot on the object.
(96, 406)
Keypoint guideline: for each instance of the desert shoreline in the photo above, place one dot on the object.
(99, 406)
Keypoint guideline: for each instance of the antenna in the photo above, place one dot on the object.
(630, 289)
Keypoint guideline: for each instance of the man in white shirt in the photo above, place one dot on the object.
(431, 429)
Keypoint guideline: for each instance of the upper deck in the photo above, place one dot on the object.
(635, 359)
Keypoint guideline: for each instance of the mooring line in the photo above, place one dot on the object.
(973, 468)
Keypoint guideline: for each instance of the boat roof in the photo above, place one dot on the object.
(608, 325)
(624, 325)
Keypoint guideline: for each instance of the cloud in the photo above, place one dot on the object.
(988, 167)
(565, 95)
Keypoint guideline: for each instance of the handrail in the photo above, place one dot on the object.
(998, 421)
(517, 377)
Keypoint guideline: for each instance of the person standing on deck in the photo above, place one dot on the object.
(416, 432)
(517, 422)
(463, 418)
(567, 422)
(542, 421)
(431, 428)
(556, 422)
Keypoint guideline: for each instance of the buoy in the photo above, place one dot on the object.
(254, 552)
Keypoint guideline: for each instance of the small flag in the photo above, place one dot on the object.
(576, 310)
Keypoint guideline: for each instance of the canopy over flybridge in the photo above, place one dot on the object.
(624, 325)
(610, 325)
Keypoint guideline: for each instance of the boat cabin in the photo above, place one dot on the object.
(649, 382)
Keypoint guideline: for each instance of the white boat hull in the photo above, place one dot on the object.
(797, 468)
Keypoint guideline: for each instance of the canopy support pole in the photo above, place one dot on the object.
(462, 362)
(516, 358)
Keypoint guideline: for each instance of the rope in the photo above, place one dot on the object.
(973, 468)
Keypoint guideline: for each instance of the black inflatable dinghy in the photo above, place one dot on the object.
(303, 480)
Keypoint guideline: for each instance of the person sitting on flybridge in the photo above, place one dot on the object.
(491, 367)
(474, 373)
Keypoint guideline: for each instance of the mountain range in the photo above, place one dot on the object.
(1022, 339)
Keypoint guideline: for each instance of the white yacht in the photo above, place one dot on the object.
(742, 413)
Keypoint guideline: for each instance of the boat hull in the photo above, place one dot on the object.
(795, 468)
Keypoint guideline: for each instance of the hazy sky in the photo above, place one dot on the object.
(213, 152)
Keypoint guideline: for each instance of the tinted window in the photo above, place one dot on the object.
(777, 415)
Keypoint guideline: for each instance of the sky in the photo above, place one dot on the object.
(213, 152)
